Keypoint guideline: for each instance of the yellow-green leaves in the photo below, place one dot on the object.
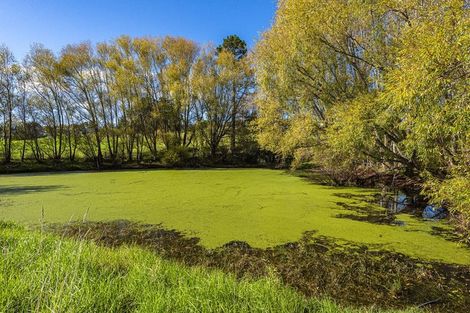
(386, 84)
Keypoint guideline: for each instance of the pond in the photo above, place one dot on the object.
(263, 207)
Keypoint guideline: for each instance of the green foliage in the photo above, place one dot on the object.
(381, 85)
(176, 156)
(123, 100)
(234, 45)
(222, 85)
(454, 192)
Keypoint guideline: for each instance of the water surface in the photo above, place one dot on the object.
(262, 207)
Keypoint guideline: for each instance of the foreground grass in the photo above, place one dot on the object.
(44, 273)
(264, 208)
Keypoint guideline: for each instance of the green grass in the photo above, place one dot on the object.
(45, 144)
(44, 273)
(262, 207)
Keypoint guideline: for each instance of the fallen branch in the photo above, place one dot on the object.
(429, 302)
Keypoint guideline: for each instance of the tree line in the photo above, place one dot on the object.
(126, 100)
(358, 88)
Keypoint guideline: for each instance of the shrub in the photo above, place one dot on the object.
(176, 156)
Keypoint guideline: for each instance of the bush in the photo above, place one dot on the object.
(176, 156)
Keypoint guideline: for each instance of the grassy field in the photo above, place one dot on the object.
(78, 276)
(262, 207)
(46, 147)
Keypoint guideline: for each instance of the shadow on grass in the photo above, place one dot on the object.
(14, 190)
(315, 266)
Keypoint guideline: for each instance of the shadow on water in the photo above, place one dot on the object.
(15, 190)
(394, 202)
(369, 214)
(315, 266)
(446, 233)
(382, 209)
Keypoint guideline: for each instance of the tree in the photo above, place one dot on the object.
(22, 129)
(181, 55)
(149, 63)
(234, 45)
(126, 87)
(242, 79)
(108, 101)
(380, 86)
(82, 82)
(212, 86)
(316, 64)
(9, 71)
(45, 81)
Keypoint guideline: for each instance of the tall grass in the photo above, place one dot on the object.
(44, 273)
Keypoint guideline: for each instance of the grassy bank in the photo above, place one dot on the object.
(317, 267)
(44, 273)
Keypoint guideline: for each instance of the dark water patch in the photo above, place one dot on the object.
(313, 177)
(393, 202)
(374, 219)
(449, 234)
(368, 214)
(14, 190)
(352, 274)
(381, 208)
(361, 209)
(363, 197)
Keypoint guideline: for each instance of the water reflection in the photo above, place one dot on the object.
(393, 202)
(396, 202)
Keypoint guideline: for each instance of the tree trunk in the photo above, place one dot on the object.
(23, 150)
(234, 124)
(9, 137)
(99, 156)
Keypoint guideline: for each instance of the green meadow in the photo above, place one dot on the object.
(263, 207)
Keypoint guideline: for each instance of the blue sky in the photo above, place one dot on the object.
(56, 23)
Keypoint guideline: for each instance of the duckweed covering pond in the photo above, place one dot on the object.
(262, 207)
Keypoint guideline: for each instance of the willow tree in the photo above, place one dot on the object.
(108, 101)
(211, 83)
(149, 63)
(375, 85)
(417, 120)
(125, 88)
(81, 82)
(324, 69)
(429, 90)
(179, 111)
(50, 106)
(317, 54)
